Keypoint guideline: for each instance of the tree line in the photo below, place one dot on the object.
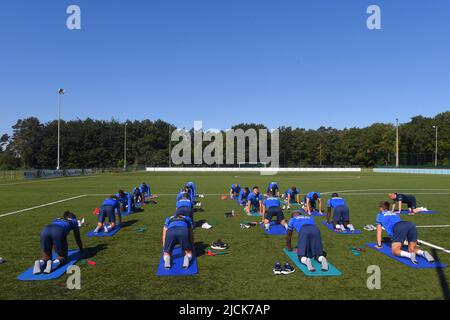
(99, 144)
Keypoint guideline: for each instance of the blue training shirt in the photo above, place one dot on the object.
(310, 195)
(272, 202)
(111, 203)
(254, 198)
(184, 203)
(126, 200)
(272, 185)
(336, 202)
(178, 222)
(144, 188)
(292, 193)
(388, 220)
(404, 198)
(193, 187)
(243, 195)
(181, 194)
(297, 222)
(67, 225)
(236, 188)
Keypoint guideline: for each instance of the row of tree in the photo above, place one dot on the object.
(100, 144)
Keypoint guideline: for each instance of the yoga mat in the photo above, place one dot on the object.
(103, 234)
(252, 213)
(422, 262)
(422, 212)
(275, 229)
(177, 265)
(314, 213)
(330, 226)
(73, 257)
(293, 203)
(332, 270)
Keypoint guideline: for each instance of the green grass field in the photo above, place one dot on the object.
(127, 262)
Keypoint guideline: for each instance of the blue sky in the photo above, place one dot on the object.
(304, 63)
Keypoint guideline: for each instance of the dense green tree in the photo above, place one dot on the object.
(100, 144)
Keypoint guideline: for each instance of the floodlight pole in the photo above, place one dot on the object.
(320, 155)
(397, 157)
(60, 93)
(170, 147)
(125, 148)
(436, 148)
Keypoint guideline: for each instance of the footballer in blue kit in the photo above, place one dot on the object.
(235, 190)
(275, 188)
(254, 201)
(184, 191)
(243, 196)
(145, 189)
(185, 206)
(409, 200)
(178, 230)
(292, 195)
(108, 210)
(309, 244)
(399, 231)
(310, 202)
(341, 213)
(126, 203)
(54, 236)
(272, 208)
(138, 196)
(193, 188)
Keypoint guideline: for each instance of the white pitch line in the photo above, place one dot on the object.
(42, 205)
(433, 246)
(435, 226)
(45, 180)
(390, 189)
(80, 196)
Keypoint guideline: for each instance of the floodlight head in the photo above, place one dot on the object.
(61, 91)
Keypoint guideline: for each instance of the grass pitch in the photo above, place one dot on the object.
(127, 262)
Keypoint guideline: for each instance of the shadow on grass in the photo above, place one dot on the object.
(92, 252)
(200, 248)
(441, 276)
(198, 224)
(128, 223)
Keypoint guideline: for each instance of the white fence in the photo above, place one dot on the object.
(262, 170)
(413, 171)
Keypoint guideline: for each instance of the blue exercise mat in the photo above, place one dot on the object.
(101, 233)
(422, 262)
(332, 270)
(177, 265)
(330, 226)
(313, 214)
(275, 229)
(73, 257)
(422, 212)
(252, 213)
(293, 203)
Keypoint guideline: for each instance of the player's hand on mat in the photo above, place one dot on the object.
(378, 246)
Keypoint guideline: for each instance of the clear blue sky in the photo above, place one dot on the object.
(304, 63)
